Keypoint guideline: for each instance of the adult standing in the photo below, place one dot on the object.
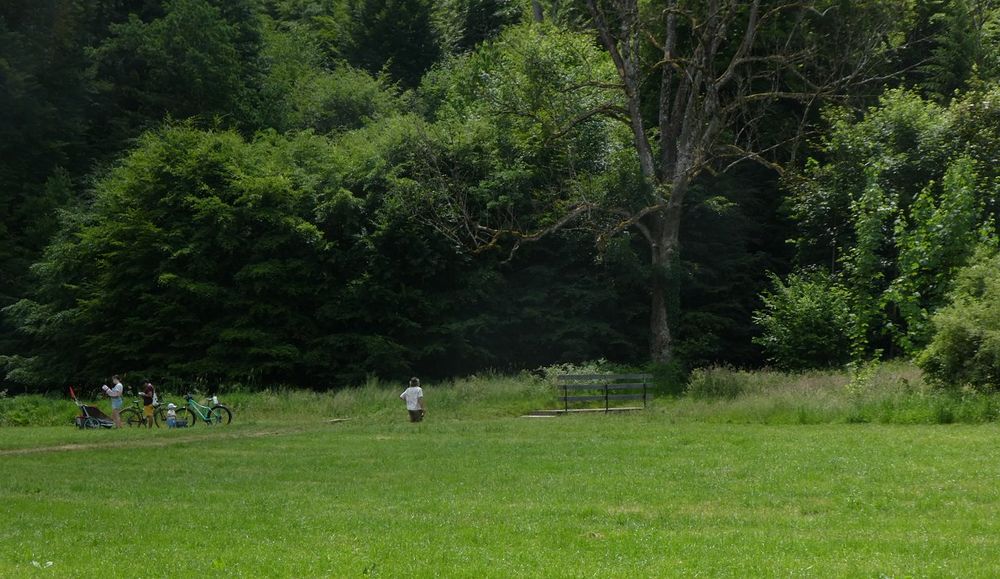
(414, 397)
(148, 396)
(115, 394)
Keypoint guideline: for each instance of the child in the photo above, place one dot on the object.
(414, 397)
(171, 415)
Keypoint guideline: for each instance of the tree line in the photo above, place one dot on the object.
(315, 191)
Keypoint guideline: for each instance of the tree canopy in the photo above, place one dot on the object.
(317, 191)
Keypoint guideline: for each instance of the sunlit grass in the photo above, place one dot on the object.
(626, 496)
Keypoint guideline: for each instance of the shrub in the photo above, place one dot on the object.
(805, 322)
(552, 373)
(35, 410)
(965, 349)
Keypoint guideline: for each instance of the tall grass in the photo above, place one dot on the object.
(891, 393)
(472, 397)
(481, 396)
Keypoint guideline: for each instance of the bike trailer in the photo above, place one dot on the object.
(90, 416)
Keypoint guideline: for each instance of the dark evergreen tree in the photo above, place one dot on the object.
(201, 58)
(464, 24)
(736, 237)
(949, 44)
(45, 102)
(396, 36)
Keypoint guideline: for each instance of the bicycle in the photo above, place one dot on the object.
(190, 415)
(133, 416)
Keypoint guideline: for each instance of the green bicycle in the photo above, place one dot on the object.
(189, 416)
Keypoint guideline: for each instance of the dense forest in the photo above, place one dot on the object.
(311, 192)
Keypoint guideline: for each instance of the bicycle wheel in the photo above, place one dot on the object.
(132, 417)
(160, 415)
(186, 418)
(220, 415)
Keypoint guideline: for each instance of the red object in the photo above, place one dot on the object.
(71, 393)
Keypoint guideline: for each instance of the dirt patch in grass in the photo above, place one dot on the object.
(159, 442)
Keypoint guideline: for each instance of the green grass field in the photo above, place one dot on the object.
(283, 493)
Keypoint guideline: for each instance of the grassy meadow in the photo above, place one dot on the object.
(720, 485)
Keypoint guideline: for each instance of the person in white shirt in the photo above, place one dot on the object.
(115, 394)
(414, 397)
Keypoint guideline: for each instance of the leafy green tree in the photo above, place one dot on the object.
(302, 92)
(504, 160)
(46, 140)
(733, 237)
(425, 305)
(904, 197)
(204, 256)
(712, 95)
(702, 112)
(323, 24)
(199, 256)
(941, 237)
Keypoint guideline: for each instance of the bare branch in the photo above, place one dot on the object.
(628, 71)
(631, 220)
(748, 37)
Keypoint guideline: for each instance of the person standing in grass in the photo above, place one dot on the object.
(148, 395)
(115, 394)
(414, 397)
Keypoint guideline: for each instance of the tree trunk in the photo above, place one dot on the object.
(661, 343)
(664, 257)
(536, 8)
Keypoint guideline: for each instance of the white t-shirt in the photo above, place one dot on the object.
(411, 395)
(115, 393)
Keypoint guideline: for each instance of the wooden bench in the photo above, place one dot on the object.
(611, 389)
